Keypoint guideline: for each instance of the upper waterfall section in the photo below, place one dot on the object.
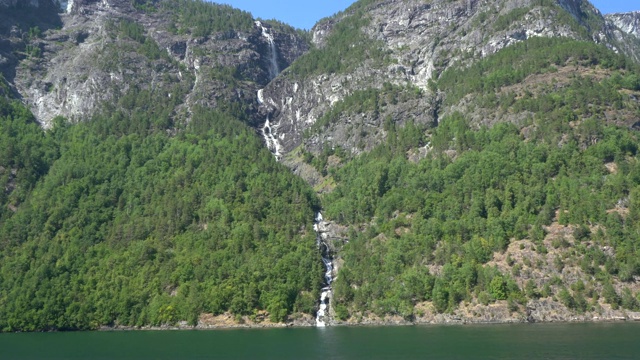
(274, 68)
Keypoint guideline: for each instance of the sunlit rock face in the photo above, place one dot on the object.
(83, 63)
(627, 22)
(420, 40)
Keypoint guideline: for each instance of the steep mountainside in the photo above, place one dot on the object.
(395, 49)
(627, 22)
(162, 206)
(485, 186)
(196, 54)
(472, 161)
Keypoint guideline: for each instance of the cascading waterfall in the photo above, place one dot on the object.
(325, 297)
(274, 69)
(269, 133)
(269, 130)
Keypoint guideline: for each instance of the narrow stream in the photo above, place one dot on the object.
(325, 298)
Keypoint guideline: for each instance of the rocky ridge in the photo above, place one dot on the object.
(627, 22)
(83, 62)
(418, 41)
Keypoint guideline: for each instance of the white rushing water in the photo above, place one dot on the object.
(274, 69)
(269, 133)
(325, 297)
(261, 96)
(270, 130)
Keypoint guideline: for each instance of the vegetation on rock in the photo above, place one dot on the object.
(346, 48)
(429, 231)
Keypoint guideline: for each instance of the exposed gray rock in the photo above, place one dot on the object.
(16, 18)
(627, 22)
(422, 40)
(84, 64)
(332, 234)
(624, 30)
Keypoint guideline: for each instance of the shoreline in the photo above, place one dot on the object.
(343, 325)
(292, 325)
(542, 311)
(444, 321)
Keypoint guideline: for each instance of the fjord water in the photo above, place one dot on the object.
(537, 341)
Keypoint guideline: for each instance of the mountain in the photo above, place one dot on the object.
(402, 116)
(627, 22)
(408, 44)
(101, 50)
(177, 162)
(397, 50)
(156, 202)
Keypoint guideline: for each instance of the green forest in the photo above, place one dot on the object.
(136, 217)
(197, 17)
(482, 188)
(346, 48)
(457, 213)
(155, 211)
(124, 227)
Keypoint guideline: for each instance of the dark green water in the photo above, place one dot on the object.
(549, 341)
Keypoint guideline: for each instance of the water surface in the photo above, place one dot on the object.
(522, 341)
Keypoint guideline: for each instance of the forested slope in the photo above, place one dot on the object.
(161, 207)
(536, 211)
(474, 163)
(144, 228)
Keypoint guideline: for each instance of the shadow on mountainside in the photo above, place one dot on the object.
(19, 25)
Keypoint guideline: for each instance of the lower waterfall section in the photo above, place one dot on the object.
(270, 138)
(269, 132)
(325, 298)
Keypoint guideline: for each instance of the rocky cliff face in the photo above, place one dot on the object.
(16, 19)
(71, 69)
(624, 28)
(410, 44)
(627, 22)
(86, 61)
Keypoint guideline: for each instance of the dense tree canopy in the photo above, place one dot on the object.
(480, 189)
(457, 213)
(137, 228)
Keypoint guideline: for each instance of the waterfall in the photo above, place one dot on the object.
(274, 69)
(66, 5)
(269, 130)
(261, 96)
(325, 297)
(269, 133)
